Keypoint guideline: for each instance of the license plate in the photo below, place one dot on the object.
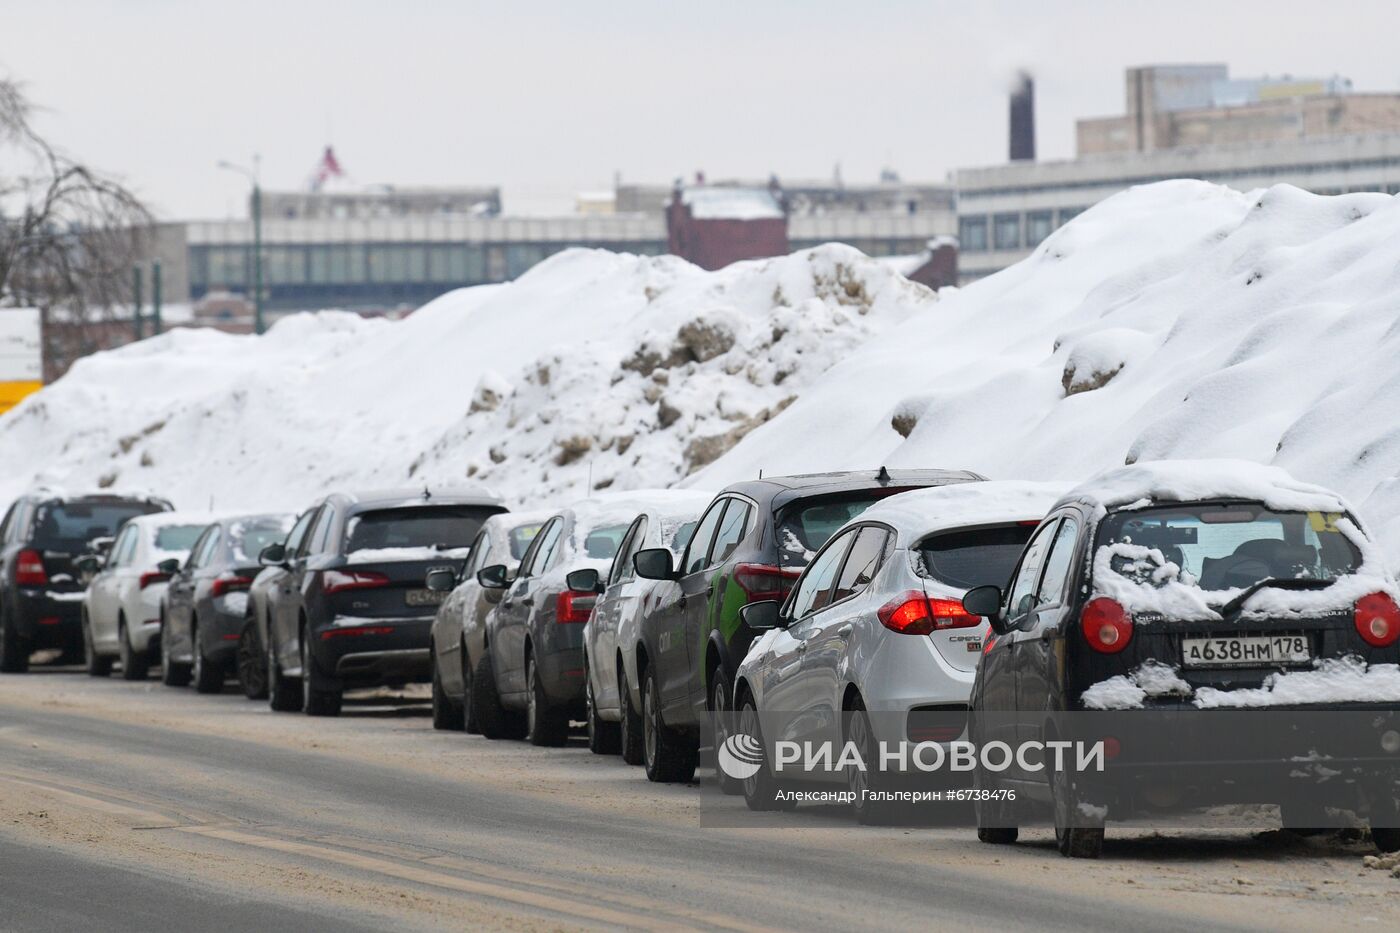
(1246, 650)
(424, 597)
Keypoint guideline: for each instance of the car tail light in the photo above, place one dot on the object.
(913, 613)
(29, 569)
(1377, 619)
(334, 581)
(356, 631)
(153, 576)
(574, 606)
(228, 583)
(1106, 625)
(764, 581)
(50, 620)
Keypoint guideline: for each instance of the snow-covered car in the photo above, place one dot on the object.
(122, 605)
(459, 630)
(873, 640)
(610, 633)
(529, 681)
(1156, 599)
(206, 600)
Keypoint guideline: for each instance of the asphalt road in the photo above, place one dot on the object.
(137, 806)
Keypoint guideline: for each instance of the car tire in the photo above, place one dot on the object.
(1387, 837)
(469, 720)
(670, 755)
(761, 789)
(134, 666)
(14, 651)
(317, 697)
(96, 665)
(861, 782)
(447, 715)
(1073, 841)
(171, 673)
(604, 737)
(721, 708)
(631, 737)
(545, 725)
(252, 663)
(283, 693)
(495, 720)
(208, 677)
(995, 817)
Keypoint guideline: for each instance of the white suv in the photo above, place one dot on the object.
(122, 605)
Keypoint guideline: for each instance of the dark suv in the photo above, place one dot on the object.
(40, 590)
(751, 544)
(351, 609)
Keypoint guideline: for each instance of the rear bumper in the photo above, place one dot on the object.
(561, 675)
(363, 652)
(49, 619)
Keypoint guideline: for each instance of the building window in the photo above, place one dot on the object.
(1007, 231)
(1039, 224)
(1066, 214)
(972, 234)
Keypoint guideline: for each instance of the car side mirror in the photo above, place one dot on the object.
(441, 580)
(763, 615)
(169, 566)
(88, 563)
(102, 545)
(654, 563)
(274, 555)
(985, 601)
(586, 580)
(495, 577)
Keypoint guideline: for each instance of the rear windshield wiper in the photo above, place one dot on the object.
(1278, 583)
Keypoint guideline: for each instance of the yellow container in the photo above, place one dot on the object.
(12, 393)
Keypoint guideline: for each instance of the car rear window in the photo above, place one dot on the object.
(972, 557)
(178, 537)
(804, 526)
(602, 543)
(1228, 546)
(248, 538)
(421, 526)
(69, 526)
(520, 537)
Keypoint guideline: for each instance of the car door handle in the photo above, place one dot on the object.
(801, 647)
(845, 631)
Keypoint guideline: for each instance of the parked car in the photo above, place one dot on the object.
(351, 610)
(41, 592)
(253, 640)
(750, 545)
(121, 610)
(206, 600)
(611, 630)
(1170, 594)
(529, 681)
(459, 630)
(873, 644)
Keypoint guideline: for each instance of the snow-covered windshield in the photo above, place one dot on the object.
(520, 537)
(249, 536)
(805, 526)
(1226, 547)
(602, 543)
(178, 538)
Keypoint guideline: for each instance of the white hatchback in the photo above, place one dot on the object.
(121, 614)
(874, 634)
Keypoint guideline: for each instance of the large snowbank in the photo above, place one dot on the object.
(1180, 319)
(628, 369)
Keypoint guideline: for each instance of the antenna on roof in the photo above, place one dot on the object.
(427, 493)
(883, 476)
(590, 477)
(760, 472)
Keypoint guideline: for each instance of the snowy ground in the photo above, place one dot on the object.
(1177, 319)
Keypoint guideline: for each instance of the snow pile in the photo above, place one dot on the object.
(1175, 319)
(633, 370)
(1129, 691)
(1333, 680)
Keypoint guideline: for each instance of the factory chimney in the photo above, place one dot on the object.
(1023, 119)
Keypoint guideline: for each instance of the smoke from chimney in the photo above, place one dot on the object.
(1023, 119)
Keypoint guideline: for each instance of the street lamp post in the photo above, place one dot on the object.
(252, 176)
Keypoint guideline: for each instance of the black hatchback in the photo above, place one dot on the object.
(1212, 627)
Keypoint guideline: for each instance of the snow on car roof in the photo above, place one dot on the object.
(921, 511)
(1142, 484)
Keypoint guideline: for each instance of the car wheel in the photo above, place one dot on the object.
(761, 789)
(996, 819)
(544, 725)
(317, 697)
(863, 782)
(721, 703)
(670, 755)
(97, 665)
(603, 736)
(1073, 839)
(134, 664)
(252, 663)
(469, 721)
(447, 715)
(631, 725)
(171, 673)
(208, 678)
(283, 693)
(1386, 838)
(14, 651)
(495, 720)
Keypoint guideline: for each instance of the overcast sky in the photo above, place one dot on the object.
(550, 98)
